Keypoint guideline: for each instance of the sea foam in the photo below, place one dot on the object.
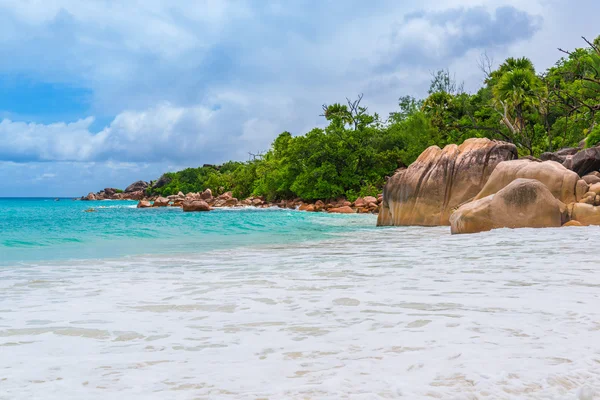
(383, 313)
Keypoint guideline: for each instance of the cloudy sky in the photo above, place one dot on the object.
(100, 93)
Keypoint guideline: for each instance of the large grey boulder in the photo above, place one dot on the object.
(559, 156)
(136, 186)
(585, 161)
(164, 180)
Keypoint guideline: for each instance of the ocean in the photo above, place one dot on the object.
(280, 304)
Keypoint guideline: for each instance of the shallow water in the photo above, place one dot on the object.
(44, 229)
(369, 314)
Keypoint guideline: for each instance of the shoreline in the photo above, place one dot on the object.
(362, 205)
(117, 228)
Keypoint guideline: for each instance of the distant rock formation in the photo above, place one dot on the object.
(164, 180)
(135, 191)
(136, 187)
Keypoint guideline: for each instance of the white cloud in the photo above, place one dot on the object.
(191, 82)
(59, 141)
(162, 133)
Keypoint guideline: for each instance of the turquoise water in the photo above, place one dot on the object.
(44, 229)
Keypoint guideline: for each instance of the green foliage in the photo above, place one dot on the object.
(594, 137)
(354, 153)
(118, 190)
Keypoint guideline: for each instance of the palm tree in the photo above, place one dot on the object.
(518, 90)
(511, 64)
(337, 112)
(515, 91)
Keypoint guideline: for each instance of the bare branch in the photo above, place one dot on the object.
(485, 64)
(565, 51)
(592, 45)
(255, 156)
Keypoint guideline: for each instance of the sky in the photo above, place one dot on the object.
(102, 93)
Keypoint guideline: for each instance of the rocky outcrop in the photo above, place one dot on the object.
(523, 203)
(440, 180)
(370, 199)
(137, 195)
(135, 191)
(560, 156)
(195, 205)
(161, 202)
(565, 185)
(592, 178)
(576, 200)
(144, 204)
(136, 187)
(226, 196)
(585, 214)
(528, 192)
(577, 159)
(163, 181)
(307, 207)
(206, 195)
(585, 161)
(176, 197)
(342, 210)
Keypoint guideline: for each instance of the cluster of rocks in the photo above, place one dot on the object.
(135, 191)
(205, 201)
(190, 202)
(482, 185)
(580, 161)
(361, 205)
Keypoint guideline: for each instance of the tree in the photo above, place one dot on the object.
(353, 114)
(443, 82)
(575, 85)
(519, 99)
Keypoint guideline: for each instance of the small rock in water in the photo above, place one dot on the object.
(195, 205)
(161, 202)
(144, 204)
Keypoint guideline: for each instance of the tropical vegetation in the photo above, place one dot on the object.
(354, 153)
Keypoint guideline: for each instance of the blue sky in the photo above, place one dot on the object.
(101, 93)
